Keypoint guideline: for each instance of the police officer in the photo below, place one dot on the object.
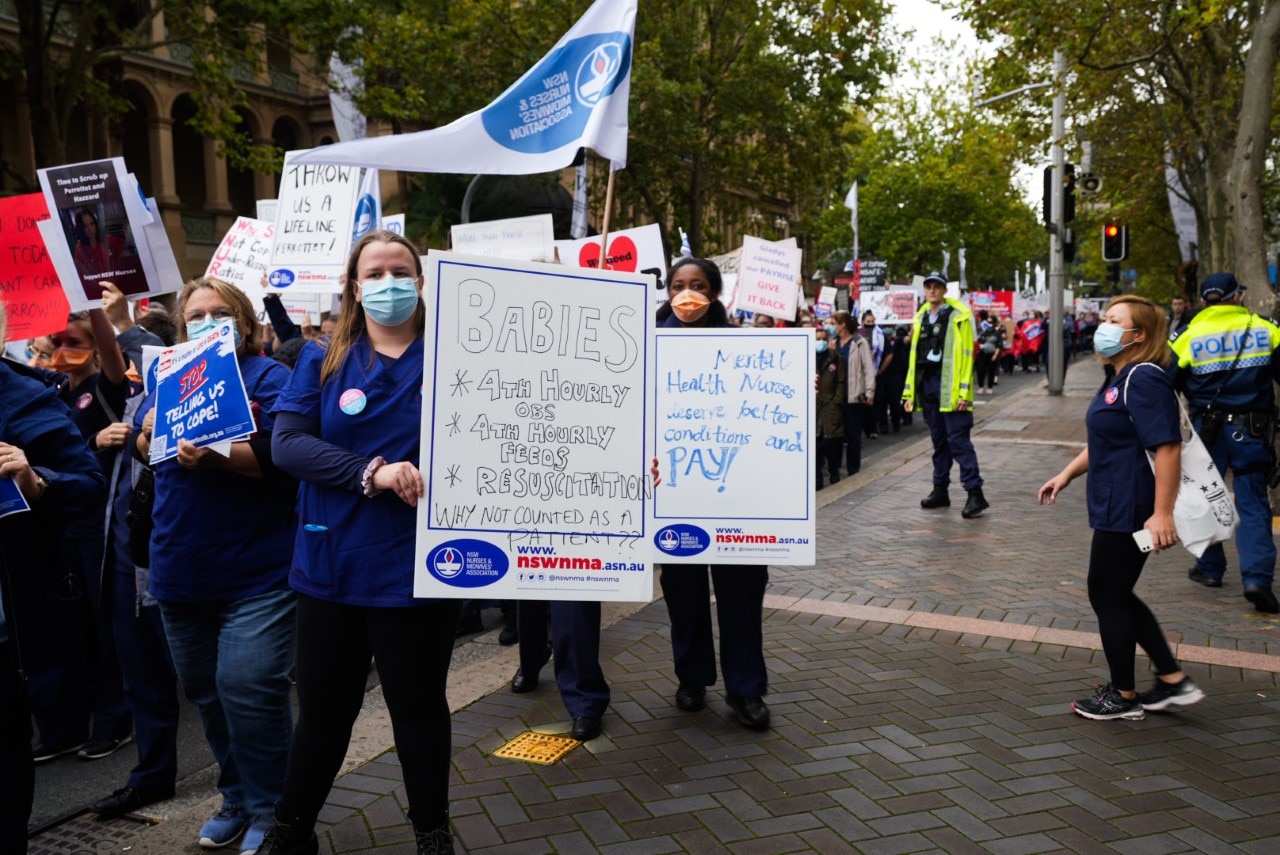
(1227, 359)
(940, 375)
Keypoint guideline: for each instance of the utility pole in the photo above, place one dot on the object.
(1058, 231)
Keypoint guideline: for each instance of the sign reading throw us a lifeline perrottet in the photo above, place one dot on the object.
(533, 441)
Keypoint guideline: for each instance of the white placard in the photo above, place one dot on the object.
(630, 250)
(538, 386)
(734, 422)
(314, 218)
(889, 307)
(100, 230)
(266, 209)
(394, 223)
(519, 238)
(243, 254)
(767, 280)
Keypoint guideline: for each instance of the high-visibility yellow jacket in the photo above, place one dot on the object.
(1207, 348)
(957, 358)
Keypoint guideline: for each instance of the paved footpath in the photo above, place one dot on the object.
(920, 675)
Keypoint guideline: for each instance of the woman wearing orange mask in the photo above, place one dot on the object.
(694, 286)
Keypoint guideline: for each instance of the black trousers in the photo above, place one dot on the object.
(740, 609)
(575, 642)
(1124, 621)
(828, 457)
(986, 366)
(17, 772)
(412, 647)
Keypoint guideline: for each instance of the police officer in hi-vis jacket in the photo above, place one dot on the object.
(940, 377)
(1227, 359)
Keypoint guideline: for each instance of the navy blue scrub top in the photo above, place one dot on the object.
(349, 548)
(221, 537)
(1121, 489)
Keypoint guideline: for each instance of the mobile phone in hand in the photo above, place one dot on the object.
(1142, 537)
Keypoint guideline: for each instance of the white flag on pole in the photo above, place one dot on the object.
(574, 96)
(851, 202)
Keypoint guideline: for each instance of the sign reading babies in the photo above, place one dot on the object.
(533, 437)
(734, 427)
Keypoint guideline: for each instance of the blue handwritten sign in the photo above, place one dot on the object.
(734, 426)
(11, 499)
(200, 394)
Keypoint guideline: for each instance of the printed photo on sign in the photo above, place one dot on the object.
(533, 439)
(200, 394)
(29, 287)
(94, 217)
(734, 410)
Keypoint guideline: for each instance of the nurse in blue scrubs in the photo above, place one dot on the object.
(349, 428)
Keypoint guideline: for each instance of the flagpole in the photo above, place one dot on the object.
(608, 206)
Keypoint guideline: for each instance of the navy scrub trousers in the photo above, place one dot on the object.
(740, 609)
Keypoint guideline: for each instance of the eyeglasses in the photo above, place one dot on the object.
(39, 355)
(221, 313)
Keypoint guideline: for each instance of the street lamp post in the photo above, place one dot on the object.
(1057, 228)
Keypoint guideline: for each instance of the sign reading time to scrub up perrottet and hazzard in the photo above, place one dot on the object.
(735, 422)
(533, 436)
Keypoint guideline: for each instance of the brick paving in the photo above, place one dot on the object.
(919, 679)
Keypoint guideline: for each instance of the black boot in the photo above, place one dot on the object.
(289, 836)
(434, 841)
(509, 635)
(976, 504)
(937, 499)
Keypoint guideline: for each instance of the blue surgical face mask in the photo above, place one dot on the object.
(820, 346)
(194, 331)
(831, 331)
(1106, 339)
(389, 301)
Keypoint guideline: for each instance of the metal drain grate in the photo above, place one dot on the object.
(544, 748)
(86, 834)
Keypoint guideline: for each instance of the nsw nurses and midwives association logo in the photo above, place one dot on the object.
(551, 105)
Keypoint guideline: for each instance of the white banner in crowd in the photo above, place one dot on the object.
(520, 238)
(734, 411)
(630, 251)
(314, 220)
(889, 307)
(538, 384)
(575, 96)
(767, 279)
(394, 223)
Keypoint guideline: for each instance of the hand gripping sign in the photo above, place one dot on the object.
(200, 395)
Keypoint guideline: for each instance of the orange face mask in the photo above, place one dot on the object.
(689, 306)
(68, 359)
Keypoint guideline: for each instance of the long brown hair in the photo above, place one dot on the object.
(351, 323)
(1150, 320)
(236, 300)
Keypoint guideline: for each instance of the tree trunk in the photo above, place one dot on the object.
(48, 141)
(1249, 157)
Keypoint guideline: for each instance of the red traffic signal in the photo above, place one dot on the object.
(1115, 242)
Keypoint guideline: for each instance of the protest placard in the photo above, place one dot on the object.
(871, 273)
(394, 223)
(767, 280)
(33, 299)
(266, 209)
(97, 228)
(630, 250)
(11, 499)
(200, 394)
(533, 435)
(519, 238)
(243, 254)
(314, 223)
(889, 307)
(734, 411)
(999, 304)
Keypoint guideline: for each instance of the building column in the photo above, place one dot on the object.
(164, 185)
(217, 192)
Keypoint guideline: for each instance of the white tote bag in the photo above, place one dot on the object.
(1204, 512)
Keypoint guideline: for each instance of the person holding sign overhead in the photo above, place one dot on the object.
(220, 549)
(350, 427)
(694, 286)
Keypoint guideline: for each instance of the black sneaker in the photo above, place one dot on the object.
(96, 749)
(1108, 704)
(129, 799)
(1195, 574)
(1163, 695)
(43, 753)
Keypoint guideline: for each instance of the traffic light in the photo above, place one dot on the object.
(1115, 242)
(1068, 194)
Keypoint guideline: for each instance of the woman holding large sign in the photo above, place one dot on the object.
(694, 286)
(350, 427)
(224, 523)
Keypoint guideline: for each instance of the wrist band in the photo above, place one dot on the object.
(366, 480)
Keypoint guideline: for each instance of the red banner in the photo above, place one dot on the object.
(29, 286)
